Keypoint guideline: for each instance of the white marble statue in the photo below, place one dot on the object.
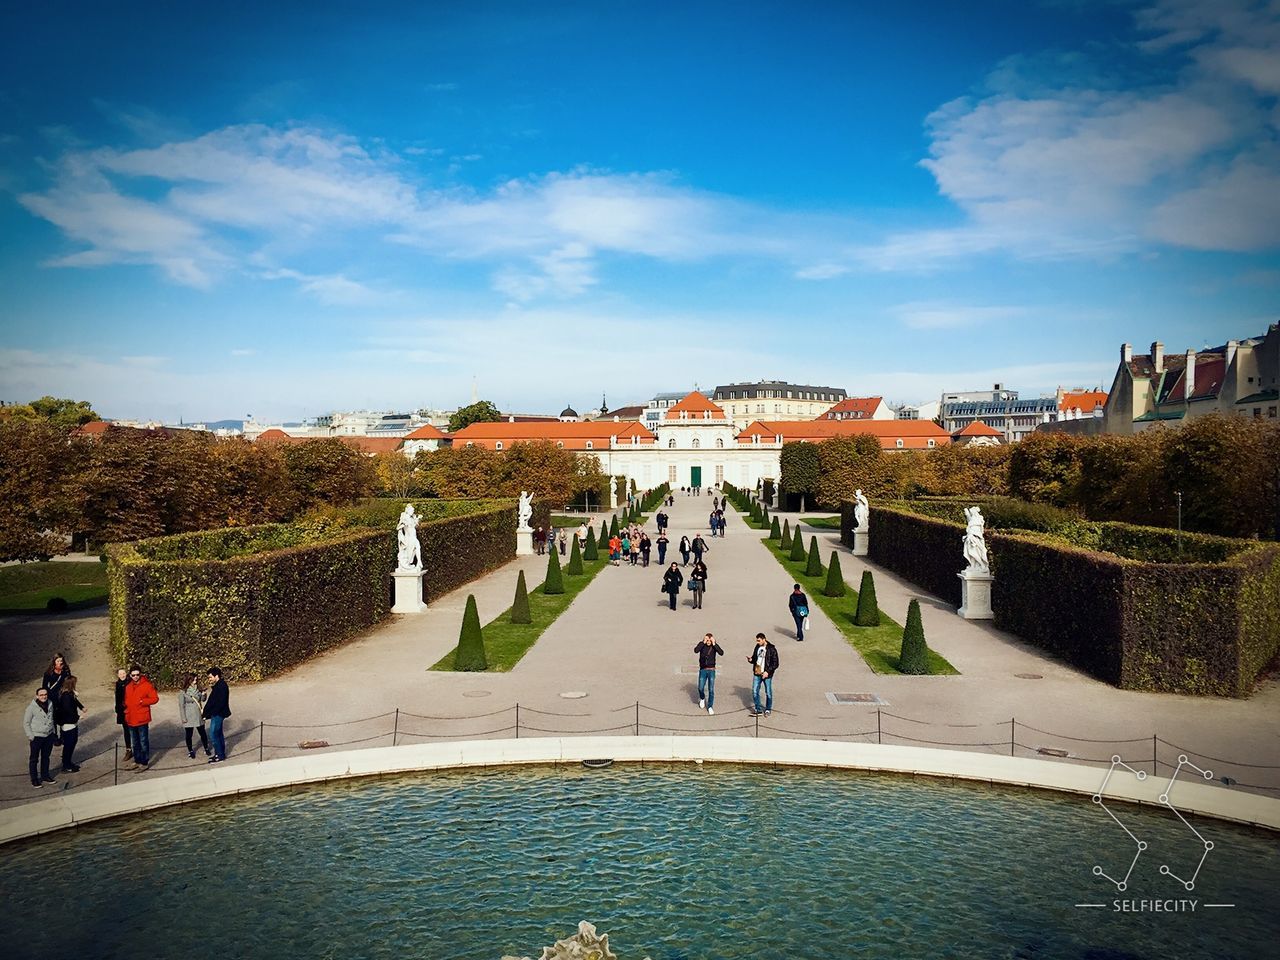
(861, 510)
(525, 511)
(409, 554)
(975, 544)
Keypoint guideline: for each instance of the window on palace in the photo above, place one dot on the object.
(498, 445)
(720, 440)
(759, 408)
(697, 444)
(898, 443)
(470, 444)
(671, 474)
(590, 445)
(560, 444)
(932, 444)
(706, 414)
(671, 444)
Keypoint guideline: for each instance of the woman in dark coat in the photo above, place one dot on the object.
(122, 681)
(684, 551)
(66, 717)
(698, 582)
(671, 581)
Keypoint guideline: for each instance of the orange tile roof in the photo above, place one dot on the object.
(695, 404)
(854, 408)
(94, 428)
(369, 445)
(914, 434)
(978, 429)
(275, 435)
(1086, 400)
(425, 432)
(572, 436)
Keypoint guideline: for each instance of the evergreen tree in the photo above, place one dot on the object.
(614, 526)
(786, 535)
(835, 579)
(764, 516)
(589, 552)
(520, 606)
(868, 614)
(814, 568)
(470, 654)
(915, 653)
(574, 568)
(797, 546)
(775, 532)
(603, 542)
(554, 582)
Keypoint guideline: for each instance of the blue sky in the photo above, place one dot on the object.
(207, 213)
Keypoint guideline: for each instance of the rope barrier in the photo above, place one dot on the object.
(805, 733)
(450, 736)
(930, 723)
(1067, 736)
(627, 726)
(320, 726)
(951, 743)
(470, 716)
(685, 713)
(744, 726)
(1205, 756)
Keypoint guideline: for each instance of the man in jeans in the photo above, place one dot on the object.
(764, 664)
(139, 696)
(799, 605)
(37, 724)
(707, 652)
(216, 709)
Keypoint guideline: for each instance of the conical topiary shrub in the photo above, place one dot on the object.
(764, 516)
(520, 605)
(574, 567)
(590, 551)
(775, 532)
(554, 582)
(797, 546)
(814, 567)
(786, 535)
(470, 653)
(835, 579)
(868, 614)
(604, 535)
(614, 527)
(915, 653)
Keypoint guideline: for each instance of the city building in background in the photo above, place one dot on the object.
(775, 400)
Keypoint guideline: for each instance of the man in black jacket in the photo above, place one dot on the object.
(122, 681)
(707, 652)
(216, 709)
(764, 664)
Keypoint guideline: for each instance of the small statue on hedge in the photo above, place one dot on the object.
(525, 511)
(975, 543)
(861, 510)
(409, 554)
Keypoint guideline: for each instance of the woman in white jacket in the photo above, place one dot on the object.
(190, 706)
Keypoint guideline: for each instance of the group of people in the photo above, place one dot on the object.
(764, 665)
(542, 539)
(53, 717)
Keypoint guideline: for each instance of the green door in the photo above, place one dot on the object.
(695, 476)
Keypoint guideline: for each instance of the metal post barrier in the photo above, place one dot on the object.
(757, 720)
(115, 763)
(518, 713)
(878, 740)
(1013, 724)
(395, 730)
(261, 739)
(637, 718)
(1155, 756)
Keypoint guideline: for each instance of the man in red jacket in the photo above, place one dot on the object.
(139, 695)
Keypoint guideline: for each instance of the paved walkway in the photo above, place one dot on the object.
(618, 644)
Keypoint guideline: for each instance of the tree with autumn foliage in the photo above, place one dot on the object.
(327, 471)
(36, 461)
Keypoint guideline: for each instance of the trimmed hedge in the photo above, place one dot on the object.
(1131, 617)
(259, 600)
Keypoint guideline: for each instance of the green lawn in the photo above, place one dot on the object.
(879, 646)
(505, 643)
(559, 520)
(827, 523)
(28, 587)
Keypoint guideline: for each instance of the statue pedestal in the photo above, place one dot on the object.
(860, 540)
(975, 596)
(524, 543)
(408, 592)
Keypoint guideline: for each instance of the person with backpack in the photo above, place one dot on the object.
(799, 605)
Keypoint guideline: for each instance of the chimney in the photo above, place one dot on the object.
(1126, 352)
(1157, 356)
(1189, 383)
(1232, 347)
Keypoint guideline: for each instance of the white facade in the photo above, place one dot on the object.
(922, 411)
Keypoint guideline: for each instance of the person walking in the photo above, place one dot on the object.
(711, 522)
(626, 545)
(564, 542)
(799, 606)
(615, 550)
(661, 519)
(66, 719)
(122, 681)
(699, 547)
(582, 534)
(216, 709)
(540, 541)
(684, 551)
(190, 702)
(698, 582)
(707, 652)
(139, 697)
(635, 548)
(37, 724)
(661, 544)
(764, 665)
(646, 545)
(671, 581)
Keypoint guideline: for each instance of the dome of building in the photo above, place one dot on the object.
(569, 412)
